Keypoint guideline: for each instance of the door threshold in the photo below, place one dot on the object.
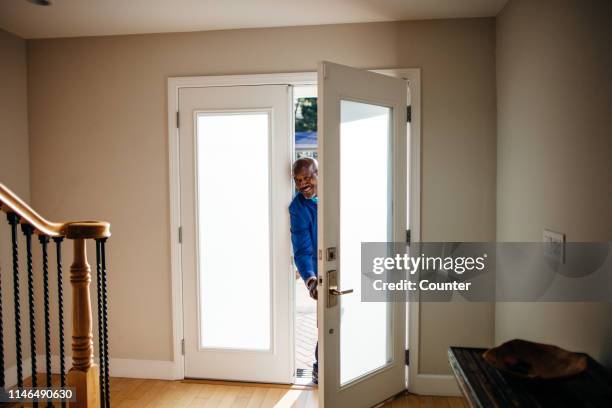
(251, 384)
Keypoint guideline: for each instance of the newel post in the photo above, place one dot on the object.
(84, 375)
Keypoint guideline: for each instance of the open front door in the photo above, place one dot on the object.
(362, 196)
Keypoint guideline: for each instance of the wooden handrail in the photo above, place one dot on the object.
(10, 202)
(84, 375)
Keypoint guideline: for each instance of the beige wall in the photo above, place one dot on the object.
(14, 166)
(100, 150)
(554, 152)
(14, 151)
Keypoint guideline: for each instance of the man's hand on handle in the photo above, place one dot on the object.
(312, 287)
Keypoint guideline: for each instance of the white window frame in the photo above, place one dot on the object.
(417, 381)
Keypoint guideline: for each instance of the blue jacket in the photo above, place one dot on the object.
(303, 215)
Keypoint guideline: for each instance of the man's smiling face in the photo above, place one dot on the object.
(306, 181)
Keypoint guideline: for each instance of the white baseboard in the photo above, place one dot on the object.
(119, 367)
(150, 369)
(434, 384)
(127, 368)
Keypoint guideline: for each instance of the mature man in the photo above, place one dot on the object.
(303, 214)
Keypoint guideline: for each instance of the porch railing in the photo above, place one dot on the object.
(90, 381)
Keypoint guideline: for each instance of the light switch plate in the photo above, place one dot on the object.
(554, 245)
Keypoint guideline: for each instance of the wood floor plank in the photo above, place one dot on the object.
(127, 403)
(172, 394)
(440, 402)
(426, 401)
(303, 400)
(273, 395)
(243, 395)
(139, 390)
(188, 394)
(152, 392)
(289, 399)
(457, 402)
(230, 395)
(197, 403)
(217, 396)
(126, 387)
(257, 398)
(206, 391)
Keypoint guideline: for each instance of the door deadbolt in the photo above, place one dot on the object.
(330, 254)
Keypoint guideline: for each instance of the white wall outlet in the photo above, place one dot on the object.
(554, 247)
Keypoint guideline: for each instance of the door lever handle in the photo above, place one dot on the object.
(336, 292)
(333, 292)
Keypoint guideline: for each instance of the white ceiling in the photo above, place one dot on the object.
(78, 18)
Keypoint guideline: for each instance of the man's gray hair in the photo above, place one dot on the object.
(305, 163)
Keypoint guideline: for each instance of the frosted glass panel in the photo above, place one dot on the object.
(234, 230)
(365, 216)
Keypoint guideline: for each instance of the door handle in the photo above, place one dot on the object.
(336, 292)
(333, 291)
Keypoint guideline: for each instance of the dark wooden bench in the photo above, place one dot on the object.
(485, 386)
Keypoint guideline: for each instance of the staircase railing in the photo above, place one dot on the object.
(90, 381)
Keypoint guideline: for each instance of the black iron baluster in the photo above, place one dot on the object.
(60, 300)
(28, 231)
(2, 380)
(44, 241)
(13, 220)
(105, 323)
(100, 320)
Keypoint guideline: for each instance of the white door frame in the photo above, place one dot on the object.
(417, 381)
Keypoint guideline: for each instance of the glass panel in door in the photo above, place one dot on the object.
(365, 216)
(226, 143)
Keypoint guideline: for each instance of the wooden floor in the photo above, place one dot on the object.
(127, 393)
(138, 393)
